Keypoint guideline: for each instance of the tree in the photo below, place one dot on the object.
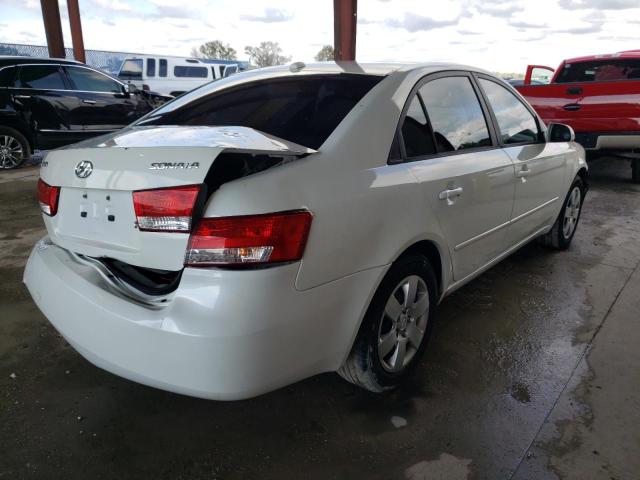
(266, 54)
(215, 49)
(325, 54)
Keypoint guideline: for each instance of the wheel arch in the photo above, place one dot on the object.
(20, 128)
(583, 173)
(436, 256)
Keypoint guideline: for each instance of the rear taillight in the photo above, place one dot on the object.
(251, 239)
(48, 198)
(165, 209)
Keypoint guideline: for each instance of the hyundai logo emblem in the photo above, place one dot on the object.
(84, 169)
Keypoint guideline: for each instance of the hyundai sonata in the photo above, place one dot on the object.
(295, 220)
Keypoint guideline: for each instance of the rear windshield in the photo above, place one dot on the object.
(131, 70)
(303, 110)
(600, 71)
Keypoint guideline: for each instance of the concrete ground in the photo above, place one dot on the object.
(533, 373)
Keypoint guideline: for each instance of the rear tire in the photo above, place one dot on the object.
(635, 170)
(14, 148)
(560, 236)
(396, 328)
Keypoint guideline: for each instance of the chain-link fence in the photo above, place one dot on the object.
(107, 61)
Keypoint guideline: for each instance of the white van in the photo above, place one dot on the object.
(171, 75)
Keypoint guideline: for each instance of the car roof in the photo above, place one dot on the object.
(590, 58)
(368, 68)
(13, 60)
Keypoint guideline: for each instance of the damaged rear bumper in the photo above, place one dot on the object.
(223, 334)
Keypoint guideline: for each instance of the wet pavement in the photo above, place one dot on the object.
(533, 373)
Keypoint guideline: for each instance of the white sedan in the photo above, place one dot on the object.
(295, 220)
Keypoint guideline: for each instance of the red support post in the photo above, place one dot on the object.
(53, 28)
(345, 19)
(76, 31)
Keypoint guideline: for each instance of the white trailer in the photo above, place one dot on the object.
(168, 75)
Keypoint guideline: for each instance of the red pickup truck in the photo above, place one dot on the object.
(599, 96)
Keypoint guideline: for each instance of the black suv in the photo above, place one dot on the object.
(47, 103)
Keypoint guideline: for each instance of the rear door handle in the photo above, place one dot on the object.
(89, 102)
(450, 194)
(572, 107)
(523, 171)
(574, 90)
(22, 97)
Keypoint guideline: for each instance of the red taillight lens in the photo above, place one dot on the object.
(145, 87)
(251, 239)
(48, 198)
(165, 209)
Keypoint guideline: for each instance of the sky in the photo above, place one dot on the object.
(501, 36)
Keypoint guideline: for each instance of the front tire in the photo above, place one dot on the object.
(14, 148)
(560, 236)
(396, 328)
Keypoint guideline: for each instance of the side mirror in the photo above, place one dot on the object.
(128, 88)
(559, 132)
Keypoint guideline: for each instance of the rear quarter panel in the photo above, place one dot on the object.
(366, 213)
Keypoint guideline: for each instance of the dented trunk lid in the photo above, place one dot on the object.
(96, 216)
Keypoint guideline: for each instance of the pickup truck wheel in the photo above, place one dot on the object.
(14, 148)
(396, 328)
(560, 236)
(635, 170)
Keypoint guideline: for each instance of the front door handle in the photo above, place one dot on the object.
(523, 172)
(89, 102)
(22, 97)
(450, 194)
(572, 107)
(574, 90)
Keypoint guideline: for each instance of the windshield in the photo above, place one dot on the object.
(301, 109)
(131, 69)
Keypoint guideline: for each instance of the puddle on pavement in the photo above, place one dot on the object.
(445, 467)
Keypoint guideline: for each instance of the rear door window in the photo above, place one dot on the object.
(600, 71)
(41, 77)
(416, 133)
(515, 122)
(455, 114)
(304, 109)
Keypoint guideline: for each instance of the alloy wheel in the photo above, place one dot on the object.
(11, 152)
(572, 212)
(403, 323)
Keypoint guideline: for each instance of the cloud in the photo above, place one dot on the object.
(598, 4)
(594, 25)
(468, 32)
(499, 8)
(175, 11)
(526, 24)
(27, 4)
(271, 15)
(109, 6)
(417, 23)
